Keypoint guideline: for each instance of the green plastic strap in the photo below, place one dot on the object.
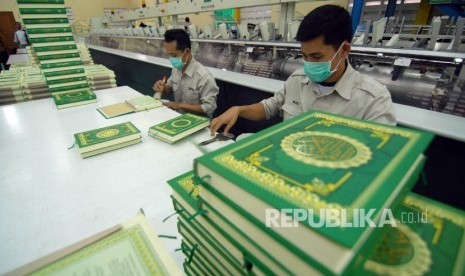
(74, 144)
(177, 212)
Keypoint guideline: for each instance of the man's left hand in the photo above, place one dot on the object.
(172, 105)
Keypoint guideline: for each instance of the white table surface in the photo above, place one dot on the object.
(441, 124)
(50, 197)
(18, 59)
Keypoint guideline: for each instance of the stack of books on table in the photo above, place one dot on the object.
(309, 196)
(178, 128)
(49, 32)
(105, 139)
(85, 54)
(10, 87)
(130, 248)
(34, 84)
(33, 58)
(100, 77)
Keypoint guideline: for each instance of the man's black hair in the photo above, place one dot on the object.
(180, 36)
(187, 20)
(330, 21)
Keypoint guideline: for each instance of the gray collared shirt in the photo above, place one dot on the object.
(354, 95)
(195, 86)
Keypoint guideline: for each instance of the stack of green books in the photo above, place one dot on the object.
(308, 196)
(48, 28)
(97, 141)
(178, 128)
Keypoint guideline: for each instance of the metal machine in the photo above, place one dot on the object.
(429, 74)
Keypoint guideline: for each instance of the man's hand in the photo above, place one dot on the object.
(173, 105)
(228, 118)
(159, 86)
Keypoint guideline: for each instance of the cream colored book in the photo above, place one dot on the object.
(132, 248)
(129, 106)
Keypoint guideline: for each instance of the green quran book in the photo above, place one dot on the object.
(51, 39)
(75, 98)
(214, 255)
(41, 2)
(131, 248)
(64, 72)
(65, 79)
(178, 128)
(129, 106)
(49, 30)
(44, 11)
(68, 88)
(59, 65)
(45, 21)
(55, 48)
(314, 166)
(429, 240)
(59, 56)
(106, 137)
(238, 246)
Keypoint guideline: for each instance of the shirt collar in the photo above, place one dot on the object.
(191, 67)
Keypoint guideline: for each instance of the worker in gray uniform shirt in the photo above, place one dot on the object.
(327, 82)
(194, 87)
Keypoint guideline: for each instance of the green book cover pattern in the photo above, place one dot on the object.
(179, 124)
(55, 48)
(45, 21)
(48, 30)
(51, 39)
(69, 87)
(64, 72)
(42, 11)
(185, 186)
(104, 134)
(429, 240)
(133, 237)
(73, 97)
(41, 2)
(321, 161)
(60, 64)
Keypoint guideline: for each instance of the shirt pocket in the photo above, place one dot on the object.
(192, 95)
(291, 110)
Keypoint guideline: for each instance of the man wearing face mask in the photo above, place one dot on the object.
(327, 82)
(193, 86)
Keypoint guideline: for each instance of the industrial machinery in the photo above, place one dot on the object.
(422, 66)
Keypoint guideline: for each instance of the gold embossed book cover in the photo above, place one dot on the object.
(309, 169)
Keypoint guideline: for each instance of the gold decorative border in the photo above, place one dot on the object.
(419, 265)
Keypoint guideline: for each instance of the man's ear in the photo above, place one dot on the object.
(346, 49)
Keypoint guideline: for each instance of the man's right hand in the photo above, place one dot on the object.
(159, 86)
(228, 118)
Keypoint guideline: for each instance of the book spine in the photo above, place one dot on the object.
(64, 72)
(59, 56)
(49, 30)
(51, 39)
(42, 11)
(65, 80)
(45, 21)
(60, 64)
(55, 48)
(69, 87)
(41, 2)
